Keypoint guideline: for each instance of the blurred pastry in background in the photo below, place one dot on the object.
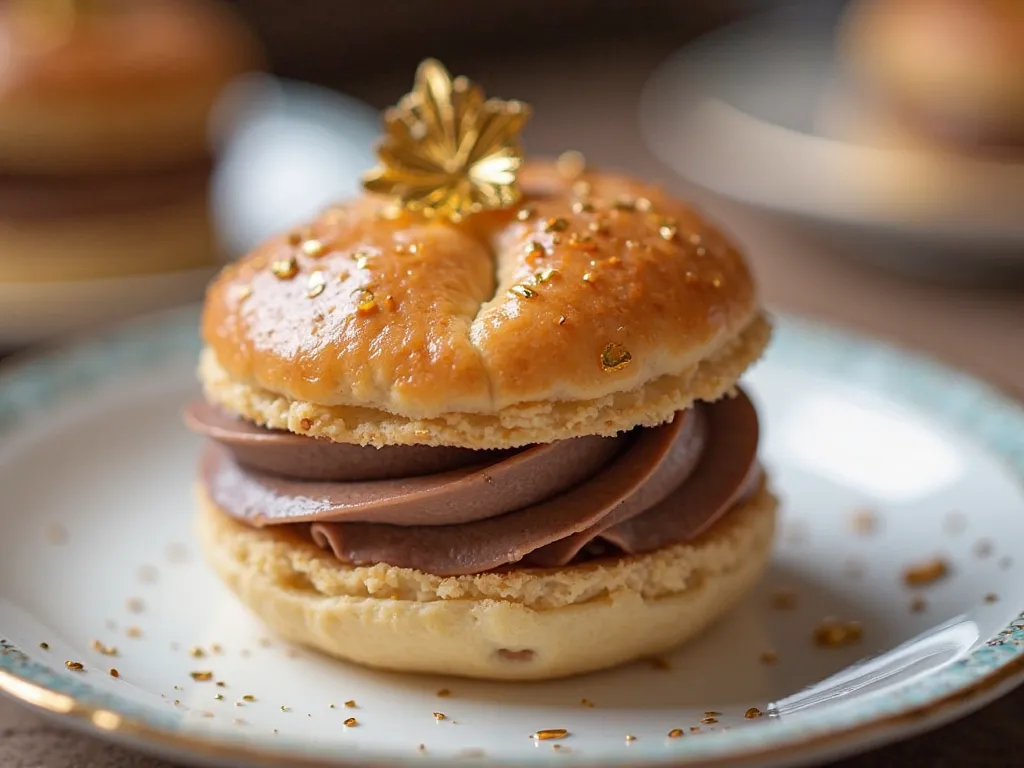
(944, 75)
(105, 160)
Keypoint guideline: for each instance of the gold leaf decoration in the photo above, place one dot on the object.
(447, 150)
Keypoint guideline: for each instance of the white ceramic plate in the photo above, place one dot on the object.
(753, 112)
(295, 148)
(882, 461)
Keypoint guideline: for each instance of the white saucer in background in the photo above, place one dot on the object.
(749, 112)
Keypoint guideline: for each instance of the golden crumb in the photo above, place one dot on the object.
(74, 666)
(864, 522)
(249, 698)
(196, 652)
(547, 734)
(675, 733)
(135, 605)
(106, 650)
(350, 703)
(753, 712)
(45, 646)
(630, 737)
(708, 720)
(201, 676)
(439, 716)
(926, 572)
(114, 672)
(221, 684)
(350, 722)
(835, 634)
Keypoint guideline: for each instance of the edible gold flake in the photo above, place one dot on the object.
(708, 720)
(712, 713)
(668, 231)
(556, 224)
(243, 292)
(313, 248)
(114, 672)
(221, 684)
(74, 666)
(535, 250)
(350, 722)
(390, 212)
(45, 646)
(285, 709)
(448, 151)
(439, 716)
(249, 698)
(615, 357)
(285, 269)
(675, 733)
(582, 242)
(443, 693)
(522, 292)
(545, 275)
(524, 214)
(362, 258)
(571, 165)
(178, 688)
(589, 277)
(562, 319)
(928, 572)
(219, 697)
(630, 737)
(202, 676)
(196, 652)
(753, 712)
(768, 657)
(350, 703)
(133, 632)
(547, 734)
(365, 302)
(317, 284)
(835, 634)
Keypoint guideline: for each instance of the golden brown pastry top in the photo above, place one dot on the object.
(590, 287)
(119, 51)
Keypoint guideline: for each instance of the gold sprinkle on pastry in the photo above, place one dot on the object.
(366, 304)
(447, 150)
(708, 720)
(201, 676)
(928, 572)
(317, 283)
(285, 269)
(556, 224)
(615, 357)
(313, 248)
(589, 277)
(285, 709)
(668, 232)
(562, 319)
(544, 276)
(522, 292)
(571, 165)
(74, 666)
(535, 250)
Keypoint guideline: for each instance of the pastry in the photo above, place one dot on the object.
(104, 158)
(936, 74)
(483, 419)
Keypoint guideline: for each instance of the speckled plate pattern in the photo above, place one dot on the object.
(892, 603)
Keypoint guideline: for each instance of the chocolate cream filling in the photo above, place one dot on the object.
(451, 511)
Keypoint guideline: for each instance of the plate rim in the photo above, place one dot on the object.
(177, 326)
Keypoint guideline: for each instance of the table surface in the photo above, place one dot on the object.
(981, 331)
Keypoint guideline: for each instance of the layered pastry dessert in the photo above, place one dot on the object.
(942, 75)
(483, 420)
(104, 152)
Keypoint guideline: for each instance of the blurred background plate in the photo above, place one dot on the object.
(297, 148)
(750, 111)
